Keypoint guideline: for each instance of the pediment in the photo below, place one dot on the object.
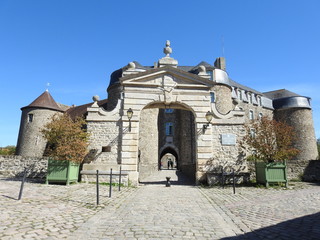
(166, 76)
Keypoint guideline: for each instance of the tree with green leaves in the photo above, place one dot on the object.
(270, 140)
(8, 150)
(67, 138)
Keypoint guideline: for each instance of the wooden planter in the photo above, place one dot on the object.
(267, 173)
(62, 171)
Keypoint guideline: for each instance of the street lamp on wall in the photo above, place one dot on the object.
(129, 115)
(209, 117)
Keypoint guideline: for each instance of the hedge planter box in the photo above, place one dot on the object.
(62, 171)
(267, 173)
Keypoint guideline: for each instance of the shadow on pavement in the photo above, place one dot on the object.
(180, 179)
(306, 227)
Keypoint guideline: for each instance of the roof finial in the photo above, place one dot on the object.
(48, 85)
(167, 50)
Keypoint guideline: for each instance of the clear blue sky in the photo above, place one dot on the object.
(75, 45)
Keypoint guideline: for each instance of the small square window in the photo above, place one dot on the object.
(30, 117)
(106, 149)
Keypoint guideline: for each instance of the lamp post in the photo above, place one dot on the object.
(209, 117)
(129, 115)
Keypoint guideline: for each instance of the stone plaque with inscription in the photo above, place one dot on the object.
(228, 139)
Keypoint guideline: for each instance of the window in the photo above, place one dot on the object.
(210, 73)
(30, 117)
(169, 128)
(239, 94)
(252, 132)
(168, 110)
(212, 97)
(250, 97)
(260, 115)
(259, 101)
(251, 117)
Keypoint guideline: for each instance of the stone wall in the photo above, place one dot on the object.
(104, 134)
(31, 141)
(225, 155)
(148, 143)
(13, 166)
(308, 170)
(301, 120)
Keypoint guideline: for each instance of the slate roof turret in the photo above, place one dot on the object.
(46, 101)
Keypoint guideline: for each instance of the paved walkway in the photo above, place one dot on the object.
(153, 211)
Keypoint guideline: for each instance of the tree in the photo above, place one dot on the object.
(270, 140)
(8, 150)
(67, 138)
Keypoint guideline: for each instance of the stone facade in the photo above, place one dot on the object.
(13, 166)
(199, 147)
(31, 141)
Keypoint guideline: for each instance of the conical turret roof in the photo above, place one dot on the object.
(45, 100)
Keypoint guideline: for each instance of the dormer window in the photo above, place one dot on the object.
(239, 94)
(210, 73)
(250, 97)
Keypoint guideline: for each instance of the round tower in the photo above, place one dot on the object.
(222, 90)
(33, 118)
(296, 111)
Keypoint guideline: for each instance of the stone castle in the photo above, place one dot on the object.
(193, 115)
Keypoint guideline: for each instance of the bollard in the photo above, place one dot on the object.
(120, 179)
(22, 183)
(97, 185)
(110, 188)
(222, 179)
(168, 184)
(234, 182)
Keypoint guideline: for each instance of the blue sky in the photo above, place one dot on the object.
(75, 45)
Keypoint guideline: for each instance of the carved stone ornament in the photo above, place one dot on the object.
(168, 84)
(167, 50)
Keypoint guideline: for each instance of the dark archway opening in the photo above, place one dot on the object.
(166, 134)
(168, 159)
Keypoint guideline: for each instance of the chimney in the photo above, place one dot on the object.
(220, 63)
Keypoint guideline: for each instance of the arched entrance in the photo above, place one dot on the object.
(166, 134)
(168, 159)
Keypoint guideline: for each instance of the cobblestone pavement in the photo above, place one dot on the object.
(51, 211)
(272, 213)
(153, 211)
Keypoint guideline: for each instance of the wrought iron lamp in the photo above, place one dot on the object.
(209, 117)
(129, 115)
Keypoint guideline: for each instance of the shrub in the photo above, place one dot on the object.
(67, 138)
(270, 140)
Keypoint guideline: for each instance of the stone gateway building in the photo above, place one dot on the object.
(192, 116)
